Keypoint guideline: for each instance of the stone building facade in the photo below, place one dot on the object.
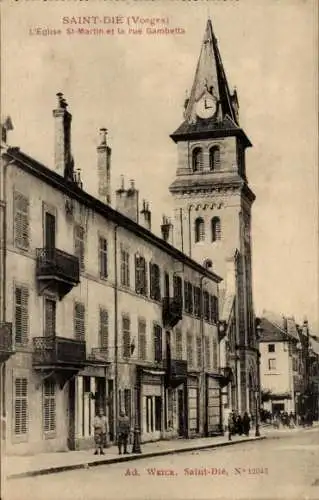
(103, 313)
(212, 220)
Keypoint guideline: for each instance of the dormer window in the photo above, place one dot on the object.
(197, 160)
(214, 158)
(199, 230)
(216, 229)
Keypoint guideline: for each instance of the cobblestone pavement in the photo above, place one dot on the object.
(283, 468)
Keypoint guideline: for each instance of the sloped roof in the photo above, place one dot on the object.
(270, 332)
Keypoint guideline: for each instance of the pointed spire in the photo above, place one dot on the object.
(210, 77)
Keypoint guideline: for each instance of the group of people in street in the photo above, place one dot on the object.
(287, 420)
(238, 424)
(101, 432)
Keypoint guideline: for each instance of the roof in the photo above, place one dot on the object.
(210, 78)
(69, 188)
(275, 328)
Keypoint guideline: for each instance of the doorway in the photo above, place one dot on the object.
(181, 413)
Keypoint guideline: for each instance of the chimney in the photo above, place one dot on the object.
(63, 161)
(127, 200)
(167, 230)
(146, 216)
(103, 167)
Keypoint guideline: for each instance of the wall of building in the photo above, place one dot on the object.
(94, 292)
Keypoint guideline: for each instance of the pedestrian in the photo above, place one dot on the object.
(246, 423)
(239, 425)
(100, 428)
(123, 432)
(231, 425)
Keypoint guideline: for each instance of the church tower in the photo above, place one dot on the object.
(213, 203)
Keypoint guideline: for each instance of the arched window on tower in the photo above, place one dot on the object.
(216, 229)
(214, 158)
(199, 229)
(197, 159)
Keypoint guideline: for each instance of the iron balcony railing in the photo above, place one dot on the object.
(58, 351)
(172, 311)
(6, 341)
(54, 262)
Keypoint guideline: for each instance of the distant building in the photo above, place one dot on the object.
(281, 369)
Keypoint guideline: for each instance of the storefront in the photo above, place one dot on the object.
(213, 417)
(152, 404)
(193, 405)
(89, 392)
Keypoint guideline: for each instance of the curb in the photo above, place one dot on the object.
(128, 458)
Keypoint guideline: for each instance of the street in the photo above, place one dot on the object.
(284, 467)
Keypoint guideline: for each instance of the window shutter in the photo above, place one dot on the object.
(21, 221)
(207, 352)
(104, 329)
(126, 336)
(199, 351)
(103, 257)
(137, 275)
(50, 317)
(142, 339)
(49, 407)
(179, 343)
(79, 248)
(215, 355)
(21, 315)
(21, 406)
(79, 321)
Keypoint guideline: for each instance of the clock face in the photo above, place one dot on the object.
(206, 106)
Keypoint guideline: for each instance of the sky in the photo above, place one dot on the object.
(135, 84)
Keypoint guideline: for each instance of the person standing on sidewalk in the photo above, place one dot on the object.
(100, 428)
(123, 432)
(231, 425)
(246, 423)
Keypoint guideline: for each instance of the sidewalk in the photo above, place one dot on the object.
(48, 463)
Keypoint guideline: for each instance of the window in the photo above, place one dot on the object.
(20, 406)
(271, 364)
(103, 257)
(197, 159)
(214, 309)
(79, 246)
(177, 287)
(155, 282)
(199, 351)
(215, 355)
(207, 352)
(104, 329)
(179, 343)
(295, 364)
(21, 221)
(126, 336)
(206, 305)
(190, 353)
(49, 317)
(214, 158)
(271, 347)
(140, 275)
(197, 302)
(157, 343)
(166, 285)
(188, 297)
(49, 406)
(142, 339)
(79, 321)
(125, 268)
(216, 229)
(21, 315)
(199, 230)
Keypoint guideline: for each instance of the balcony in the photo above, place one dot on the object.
(176, 372)
(6, 343)
(58, 353)
(172, 311)
(57, 270)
